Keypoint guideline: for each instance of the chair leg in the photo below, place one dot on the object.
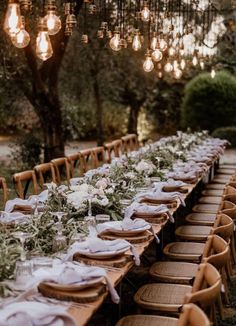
(220, 307)
(225, 285)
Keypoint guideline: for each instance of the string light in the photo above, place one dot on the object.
(43, 43)
(12, 22)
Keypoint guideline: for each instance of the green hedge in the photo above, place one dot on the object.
(228, 133)
(209, 103)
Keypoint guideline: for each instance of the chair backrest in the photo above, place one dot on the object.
(86, 160)
(3, 186)
(74, 164)
(118, 148)
(225, 204)
(192, 315)
(218, 253)
(109, 151)
(223, 226)
(229, 190)
(206, 287)
(98, 156)
(230, 197)
(45, 173)
(130, 142)
(62, 169)
(22, 181)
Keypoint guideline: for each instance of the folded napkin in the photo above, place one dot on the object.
(18, 217)
(70, 273)
(182, 175)
(160, 195)
(145, 208)
(27, 313)
(31, 201)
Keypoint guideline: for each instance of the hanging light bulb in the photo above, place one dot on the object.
(145, 13)
(43, 43)
(12, 22)
(136, 44)
(202, 64)
(53, 22)
(160, 74)
(22, 38)
(175, 65)
(163, 44)
(168, 67)
(148, 64)
(195, 61)
(182, 64)
(154, 42)
(171, 51)
(178, 73)
(157, 55)
(115, 41)
(213, 73)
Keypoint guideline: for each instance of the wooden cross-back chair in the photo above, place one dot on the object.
(86, 160)
(109, 151)
(98, 156)
(169, 298)
(45, 172)
(3, 186)
(22, 182)
(191, 315)
(62, 169)
(130, 142)
(74, 164)
(118, 147)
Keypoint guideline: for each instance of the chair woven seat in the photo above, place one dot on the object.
(220, 180)
(184, 251)
(226, 171)
(173, 272)
(205, 208)
(162, 297)
(228, 166)
(201, 219)
(147, 320)
(193, 232)
(210, 200)
(215, 186)
(212, 192)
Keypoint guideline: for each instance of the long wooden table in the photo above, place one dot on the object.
(83, 313)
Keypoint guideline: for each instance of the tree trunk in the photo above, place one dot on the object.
(133, 118)
(99, 113)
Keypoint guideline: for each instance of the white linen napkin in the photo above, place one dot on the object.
(6, 217)
(40, 199)
(160, 195)
(25, 313)
(98, 245)
(70, 273)
(145, 208)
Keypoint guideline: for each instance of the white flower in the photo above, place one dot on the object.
(145, 167)
(102, 183)
(77, 198)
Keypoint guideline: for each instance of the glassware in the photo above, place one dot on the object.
(23, 271)
(59, 241)
(77, 237)
(42, 262)
(102, 218)
(22, 236)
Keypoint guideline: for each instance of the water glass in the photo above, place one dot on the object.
(23, 271)
(77, 237)
(42, 262)
(102, 218)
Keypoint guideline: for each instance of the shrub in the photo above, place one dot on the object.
(210, 103)
(228, 133)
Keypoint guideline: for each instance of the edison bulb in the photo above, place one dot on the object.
(21, 39)
(195, 61)
(213, 73)
(53, 22)
(115, 42)
(202, 64)
(148, 65)
(145, 13)
(182, 64)
(178, 73)
(136, 44)
(171, 51)
(157, 55)
(175, 64)
(154, 43)
(159, 74)
(163, 45)
(168, 67)
(12, 22)
(43, 46)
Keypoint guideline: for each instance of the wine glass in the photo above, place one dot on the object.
(22, 236)
(59, 241)
(90, 219)
(77, 236)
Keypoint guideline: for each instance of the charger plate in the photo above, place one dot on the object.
(75, 287)
(84, 296)
(142, 237)
(118, 262)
